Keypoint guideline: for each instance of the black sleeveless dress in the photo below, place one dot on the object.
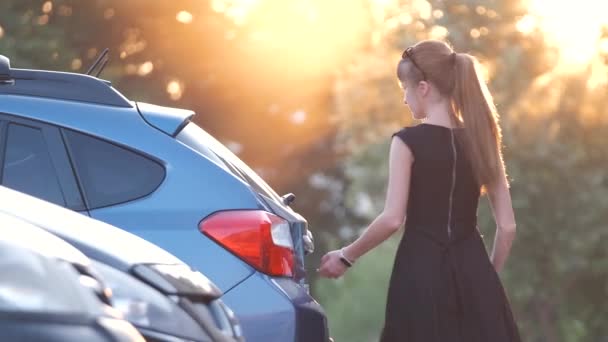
(443, 287)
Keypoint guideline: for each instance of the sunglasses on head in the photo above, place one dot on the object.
(408, 53)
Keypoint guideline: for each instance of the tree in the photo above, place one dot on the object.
(559, 194)
(27, 38)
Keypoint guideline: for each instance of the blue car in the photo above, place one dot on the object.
(73, 140)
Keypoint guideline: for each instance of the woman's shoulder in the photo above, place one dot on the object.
(412, 136)
(410, 132)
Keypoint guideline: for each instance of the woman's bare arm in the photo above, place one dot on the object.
(502, 209)
(393, 215)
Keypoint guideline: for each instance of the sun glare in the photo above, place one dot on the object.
(574, 26)
(298, 39)
(184, 17)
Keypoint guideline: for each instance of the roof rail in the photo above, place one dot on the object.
(58, 85)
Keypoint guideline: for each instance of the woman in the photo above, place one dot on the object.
(444, 286)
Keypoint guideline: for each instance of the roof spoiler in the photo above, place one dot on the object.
(166, 119)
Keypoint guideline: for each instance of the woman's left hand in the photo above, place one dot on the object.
(331, 266)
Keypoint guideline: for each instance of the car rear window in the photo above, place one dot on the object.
(110, 174)
(27, 165)
(202, 142)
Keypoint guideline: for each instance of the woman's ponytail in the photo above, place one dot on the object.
(473, 104)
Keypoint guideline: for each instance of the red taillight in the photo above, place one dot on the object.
(260, 238)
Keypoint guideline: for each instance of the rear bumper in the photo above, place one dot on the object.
(277, 310)
(311, 321)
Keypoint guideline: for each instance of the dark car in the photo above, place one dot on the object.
(49, 291)
(161, 296)
(75, 141)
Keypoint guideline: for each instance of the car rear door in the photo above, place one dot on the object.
(33, 160)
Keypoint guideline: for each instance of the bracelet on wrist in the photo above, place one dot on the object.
(345, 260)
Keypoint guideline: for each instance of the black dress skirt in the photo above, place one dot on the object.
(443, 286)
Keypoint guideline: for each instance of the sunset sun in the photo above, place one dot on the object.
(575, 27)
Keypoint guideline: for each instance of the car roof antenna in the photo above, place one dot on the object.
(103, 54)
(103, 65)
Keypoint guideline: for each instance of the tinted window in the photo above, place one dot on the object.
(110, 174)
(27, 165)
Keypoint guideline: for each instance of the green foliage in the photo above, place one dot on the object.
(559, 194)
(29, 40)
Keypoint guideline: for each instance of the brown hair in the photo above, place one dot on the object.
(456, 76)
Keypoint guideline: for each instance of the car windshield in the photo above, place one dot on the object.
(202, 142)
(31, 282)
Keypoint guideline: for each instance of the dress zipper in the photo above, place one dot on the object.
(453, 184)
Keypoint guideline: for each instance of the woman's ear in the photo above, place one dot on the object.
(423, 88)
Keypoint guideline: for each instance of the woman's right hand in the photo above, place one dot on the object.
(331, 266)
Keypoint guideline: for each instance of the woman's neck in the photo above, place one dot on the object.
(440, 114)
